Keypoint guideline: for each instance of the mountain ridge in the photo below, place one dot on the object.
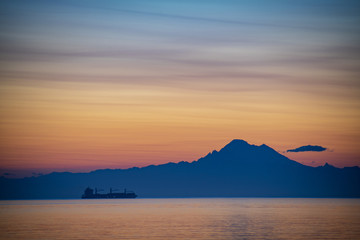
(239, 169)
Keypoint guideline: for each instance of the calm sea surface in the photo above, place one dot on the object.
(206, 218)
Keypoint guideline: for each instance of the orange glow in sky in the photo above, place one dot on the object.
(122, 85)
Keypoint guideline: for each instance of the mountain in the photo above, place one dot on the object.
(237, 170)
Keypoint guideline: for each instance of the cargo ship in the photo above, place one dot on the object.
(89, 193)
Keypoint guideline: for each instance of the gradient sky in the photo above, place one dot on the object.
(115, 84)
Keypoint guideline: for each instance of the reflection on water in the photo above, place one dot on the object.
(216, 218)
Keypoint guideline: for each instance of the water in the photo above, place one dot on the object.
(212, 218)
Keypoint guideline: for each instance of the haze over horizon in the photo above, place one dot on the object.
(236, 145)
(88, 85)
(239, 169)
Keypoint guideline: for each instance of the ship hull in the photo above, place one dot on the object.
(107, 197)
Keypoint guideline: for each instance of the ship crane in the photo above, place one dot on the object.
(98, 190)
(113, 190)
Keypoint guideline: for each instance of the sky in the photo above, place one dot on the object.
(89, 84)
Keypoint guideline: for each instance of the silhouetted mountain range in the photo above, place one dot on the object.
(237, 170)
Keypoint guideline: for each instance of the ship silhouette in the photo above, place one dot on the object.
(89, 193)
